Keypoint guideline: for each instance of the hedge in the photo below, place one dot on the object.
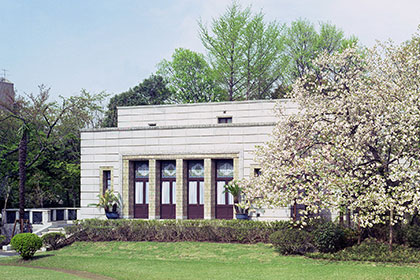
(237, 231)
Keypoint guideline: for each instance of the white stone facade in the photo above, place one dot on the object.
(180, 133)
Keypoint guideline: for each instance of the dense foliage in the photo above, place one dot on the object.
(173, 230)
(291, 241)
(53, 240)
(353, 146)
(190, 78)
(50, 130)
(26, 244)
(152, 91)
(246, 58)
(329, 237)
(374, 251)
(413, 236)
(2, 239)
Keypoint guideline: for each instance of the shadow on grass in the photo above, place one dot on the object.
(21, 261)
(41, 257)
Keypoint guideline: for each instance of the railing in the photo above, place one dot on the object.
(41, 215)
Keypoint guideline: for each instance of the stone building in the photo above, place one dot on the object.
(7, 93)
(172, 161)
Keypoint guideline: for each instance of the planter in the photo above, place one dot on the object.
(112, 215)
(242, 216)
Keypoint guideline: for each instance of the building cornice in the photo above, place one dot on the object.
(166, 127)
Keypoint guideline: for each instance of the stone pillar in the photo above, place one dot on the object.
(45, 217)
(125, 188)
(209, 189)
(236, 168)
(181, 189)
(131, 189)
(154, 189)
(235, 176)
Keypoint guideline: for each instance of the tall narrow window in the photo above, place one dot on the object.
(168, 189)
(141, 188)
(106, 180)
(224, 200)
(196, 189)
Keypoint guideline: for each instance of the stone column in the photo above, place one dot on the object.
(209, 189)
(235, 176)
(181, 188)
(236, 168)
(154, 189)
(125, 188)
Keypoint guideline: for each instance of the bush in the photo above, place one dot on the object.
(53, 240)
(239, 231)
(413, 236)
(374, 251)
(329, 237)
(350, 236)
(2, 238)
(26, 244)
(292, 241)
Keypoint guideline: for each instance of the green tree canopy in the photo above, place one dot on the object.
(152, 91)
(190, 77)
(34, 128)
(245, 52)
(303, 44)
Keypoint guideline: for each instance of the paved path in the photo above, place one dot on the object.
(7, 254)
(82, 274)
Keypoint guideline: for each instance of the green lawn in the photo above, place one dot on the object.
(18, 273)
(191, 260)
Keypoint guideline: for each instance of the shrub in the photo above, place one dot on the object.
(413, 236)
(292, 241)
(53, 240)
(239, 231)
(329, 237)
(350, 236)
(26, 244)
(2, 238)
(374, 251)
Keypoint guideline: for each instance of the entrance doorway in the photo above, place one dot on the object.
(141, 190)
(195, 189)
(167, 189)
(224, 200)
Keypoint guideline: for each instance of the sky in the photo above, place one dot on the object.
(112, 45)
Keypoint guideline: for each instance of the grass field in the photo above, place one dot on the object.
(190, 260)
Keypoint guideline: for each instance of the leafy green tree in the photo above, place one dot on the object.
(152, 91)
(39, 126)
(245, 52)
(190, 78)
(303, 44)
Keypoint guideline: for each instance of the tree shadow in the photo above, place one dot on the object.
(34, 258)
(41, 257)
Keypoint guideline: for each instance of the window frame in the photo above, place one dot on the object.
(224, 120)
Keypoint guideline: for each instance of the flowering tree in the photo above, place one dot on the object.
(354, 142)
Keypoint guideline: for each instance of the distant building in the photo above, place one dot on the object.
(173, 161)
(7, 93)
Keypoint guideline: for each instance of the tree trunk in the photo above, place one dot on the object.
(23, 149)
(8, 187)
(348, 218)
(391, 229)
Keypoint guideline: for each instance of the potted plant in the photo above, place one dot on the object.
(240, 204)
(110, 202)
